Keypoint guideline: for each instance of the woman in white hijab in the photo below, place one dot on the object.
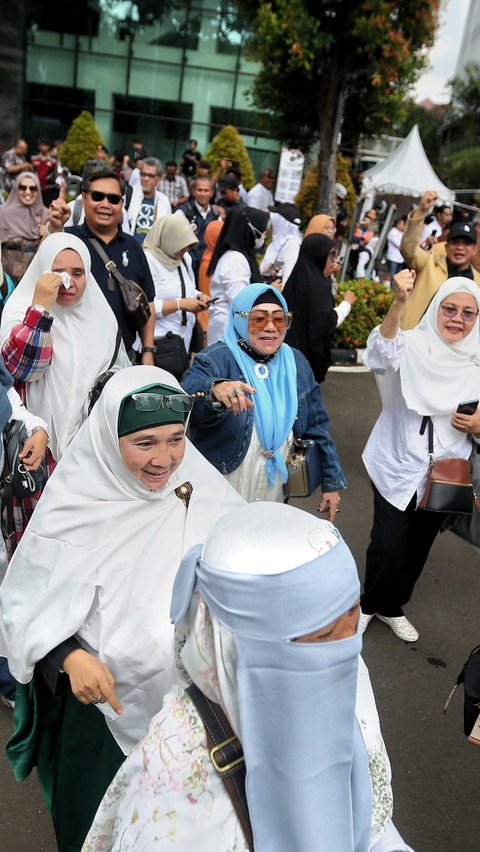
(281, 253)
(177, 299)
(99, 558)
(266, 621)
(424, 372)
(57, 335)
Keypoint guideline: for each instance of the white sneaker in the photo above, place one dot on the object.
(7, 701)
(365, 620)
(401, 626)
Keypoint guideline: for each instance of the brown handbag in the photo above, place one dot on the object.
(449, 487)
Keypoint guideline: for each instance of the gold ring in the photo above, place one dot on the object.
(97, 700)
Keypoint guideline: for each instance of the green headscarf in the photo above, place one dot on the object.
(130, 419)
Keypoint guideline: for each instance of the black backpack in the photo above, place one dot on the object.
(470, 677)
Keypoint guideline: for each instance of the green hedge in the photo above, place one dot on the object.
(374, 300)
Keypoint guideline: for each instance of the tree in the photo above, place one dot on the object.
(307, 196)
(429, 123)
(461, 170)
(462, 119)
(229, 143)
(81, 142)
(333, 64)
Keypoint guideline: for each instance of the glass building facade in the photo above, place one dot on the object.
(160, 76)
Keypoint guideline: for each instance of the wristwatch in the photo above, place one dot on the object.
(38, 429)
(40, 308)
(149, 349)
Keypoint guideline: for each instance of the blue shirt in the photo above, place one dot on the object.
(131, 262)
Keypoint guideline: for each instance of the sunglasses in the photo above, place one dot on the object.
(258, 320)
(146, 401)
(111, 197)
(466, 314)
(24, 187)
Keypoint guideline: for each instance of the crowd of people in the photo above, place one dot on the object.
(160, 576)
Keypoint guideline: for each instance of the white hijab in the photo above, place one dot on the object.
(99, 558)
(282, 230)
(84, 338)
(435, 375)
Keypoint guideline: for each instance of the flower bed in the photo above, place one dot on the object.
(374, 300)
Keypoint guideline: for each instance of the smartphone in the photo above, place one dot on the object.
(211, 301)
(468, 407)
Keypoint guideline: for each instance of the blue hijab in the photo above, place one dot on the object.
(276, 398)
(270, 573)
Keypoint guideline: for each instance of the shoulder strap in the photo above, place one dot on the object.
(184, 291)
(226, 754)
(117, 347)
(77, 209)
(110, 265)
(128, 195)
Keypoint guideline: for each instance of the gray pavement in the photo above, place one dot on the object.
(435, 770)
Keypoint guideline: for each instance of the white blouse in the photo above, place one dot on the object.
(168, 286)
(232, 274)
(396, 455)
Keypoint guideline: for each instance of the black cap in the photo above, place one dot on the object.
(289, 211)
(228, 182)
(462, 229)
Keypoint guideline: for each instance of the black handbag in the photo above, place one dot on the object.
(449, 487)
(468, 526)
(15, 480)
(470, 677)
(170, 353)
(304, 466)
(137, 308)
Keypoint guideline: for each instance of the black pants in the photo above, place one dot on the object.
(400, 542)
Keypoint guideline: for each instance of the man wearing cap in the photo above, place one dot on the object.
(282, 252)
(442, 261)
(260, 195)
(229, 194)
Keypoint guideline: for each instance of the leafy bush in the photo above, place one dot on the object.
(229, 143)
(374, 300)
(307, 196)
(81, 143)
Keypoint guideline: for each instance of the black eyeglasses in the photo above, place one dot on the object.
(111, 197)
(152, 401)
(148, 175)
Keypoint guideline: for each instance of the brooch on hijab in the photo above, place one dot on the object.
(184, 492)
(261, 370)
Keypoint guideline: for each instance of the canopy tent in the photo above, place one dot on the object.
(406, 172)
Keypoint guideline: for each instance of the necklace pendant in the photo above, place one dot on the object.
(261, 371)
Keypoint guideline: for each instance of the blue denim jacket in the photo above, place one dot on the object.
(224, 439)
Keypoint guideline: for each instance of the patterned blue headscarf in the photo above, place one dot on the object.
(276, 398)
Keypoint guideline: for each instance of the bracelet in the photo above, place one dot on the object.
(149, 349)
(38, 429)
(178, 304)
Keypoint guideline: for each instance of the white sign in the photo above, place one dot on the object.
(290, 173)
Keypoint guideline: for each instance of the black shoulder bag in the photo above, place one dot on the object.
(170, 353)
(103, 378)
(135, 302)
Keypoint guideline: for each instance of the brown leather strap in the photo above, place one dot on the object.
(226, 754)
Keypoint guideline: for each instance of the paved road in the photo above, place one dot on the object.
(435, 771)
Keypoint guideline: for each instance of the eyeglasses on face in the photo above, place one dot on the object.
(25, 187)
(467, 314)
(150, 401)
(149, 175)
(258, 320)
(112, 197)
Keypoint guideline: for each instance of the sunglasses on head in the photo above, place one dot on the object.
(153, 401)
(24, 187)
(258, 320)
(112, 197)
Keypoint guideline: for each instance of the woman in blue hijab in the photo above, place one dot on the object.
(258, 394)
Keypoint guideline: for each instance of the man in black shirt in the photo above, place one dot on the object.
(102, 201)
(190, 158)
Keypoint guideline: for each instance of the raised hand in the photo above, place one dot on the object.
(59, 212)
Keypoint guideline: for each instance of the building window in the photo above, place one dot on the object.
(75, 17)
(230, 35)
(246, 121)
(51, 109)
(182, 34)
(151, 118)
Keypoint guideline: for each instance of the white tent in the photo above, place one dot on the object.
(406, 172)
